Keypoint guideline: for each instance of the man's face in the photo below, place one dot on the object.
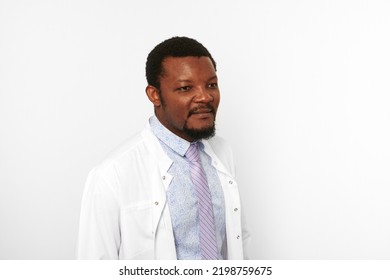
(189, 97)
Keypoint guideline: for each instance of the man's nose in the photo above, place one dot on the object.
(204, 95)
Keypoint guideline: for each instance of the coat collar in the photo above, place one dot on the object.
(162, 159)
(216, 162)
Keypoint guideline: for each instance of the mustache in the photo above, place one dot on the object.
(202, 109)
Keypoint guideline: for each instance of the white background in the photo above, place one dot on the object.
(305, 105)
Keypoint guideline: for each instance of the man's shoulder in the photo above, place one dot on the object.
(219, 145)
(217, 140)
(222, 151)
(127, 147)
(130, 150)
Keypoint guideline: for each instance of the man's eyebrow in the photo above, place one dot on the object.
(213, 78)
(190, 81)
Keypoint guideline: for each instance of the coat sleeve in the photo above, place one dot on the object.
(99, 228)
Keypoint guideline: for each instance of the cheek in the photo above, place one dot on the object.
(179, 112)
(182, 107)
(216, 101)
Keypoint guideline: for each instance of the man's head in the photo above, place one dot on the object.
(183, 86)
(173, 47)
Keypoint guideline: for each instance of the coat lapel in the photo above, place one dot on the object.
(162, 225)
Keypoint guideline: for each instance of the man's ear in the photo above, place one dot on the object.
(153, 95)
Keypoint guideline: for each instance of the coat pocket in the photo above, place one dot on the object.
(137, 231)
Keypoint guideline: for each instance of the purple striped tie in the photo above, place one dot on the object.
(208, 243)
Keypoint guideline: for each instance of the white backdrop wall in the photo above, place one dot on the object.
(305, 105)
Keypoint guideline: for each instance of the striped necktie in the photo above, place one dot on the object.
(208, 244)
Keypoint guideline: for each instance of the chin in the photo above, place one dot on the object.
(204, 132)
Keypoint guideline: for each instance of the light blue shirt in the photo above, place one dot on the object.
(181, 195)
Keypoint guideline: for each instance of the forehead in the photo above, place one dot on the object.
(188, 67)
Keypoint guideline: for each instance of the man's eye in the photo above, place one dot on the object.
(186, 88)
(213, 85)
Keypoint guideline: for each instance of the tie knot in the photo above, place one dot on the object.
(192, 153)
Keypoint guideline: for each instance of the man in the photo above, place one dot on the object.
(170, 191)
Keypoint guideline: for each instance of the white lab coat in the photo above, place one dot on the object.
(124, 213)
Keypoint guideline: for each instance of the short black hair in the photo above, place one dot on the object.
(173, 47)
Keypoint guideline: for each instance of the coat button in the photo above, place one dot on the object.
(238, 237)
(230, 182)
(156, 203)
(235, 209)
(163, 177)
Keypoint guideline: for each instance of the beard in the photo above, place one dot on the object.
(198, 134)
(203, 133)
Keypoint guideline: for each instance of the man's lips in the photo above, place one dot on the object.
(202, 111)
(203, 115)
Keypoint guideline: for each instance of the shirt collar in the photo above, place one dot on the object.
(174, 142)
